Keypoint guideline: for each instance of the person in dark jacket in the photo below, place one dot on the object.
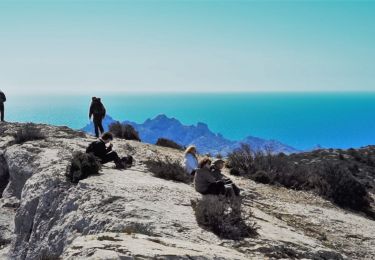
(2, 100)
(100, 149)
(205, 182)
(97, 111)
(216, 168)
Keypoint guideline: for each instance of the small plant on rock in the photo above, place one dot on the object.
(124, 131)
(81, 166)
(28, 132)
(168, 143)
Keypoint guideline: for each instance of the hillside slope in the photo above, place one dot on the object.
(131, 213)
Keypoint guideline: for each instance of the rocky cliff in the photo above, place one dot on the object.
(131, 214)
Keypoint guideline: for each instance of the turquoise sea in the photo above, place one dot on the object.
(302, 120)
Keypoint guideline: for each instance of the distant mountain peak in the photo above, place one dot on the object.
(200, 135)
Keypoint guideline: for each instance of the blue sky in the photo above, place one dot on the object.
(75, 46)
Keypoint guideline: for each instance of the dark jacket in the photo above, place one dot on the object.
(97, 109)
(2, 97)
(98, 148)
(202, 179)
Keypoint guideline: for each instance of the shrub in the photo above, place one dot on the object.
(168, 143)
(28, 132)
(261, 177)
(81, 166)
(245, 161)
(168, 169)
(224, 217)
(330, 180)
(242, 160)
(337, 184)
(124, 131)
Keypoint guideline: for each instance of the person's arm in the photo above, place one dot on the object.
(109, 148)
(90, 111)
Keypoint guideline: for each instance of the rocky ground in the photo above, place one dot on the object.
(132, 214)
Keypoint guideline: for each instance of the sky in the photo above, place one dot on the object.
(186, 46)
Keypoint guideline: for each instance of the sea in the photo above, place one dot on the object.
(302, 120)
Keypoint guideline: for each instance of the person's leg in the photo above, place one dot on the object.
(100, 125)
(2, 112)
(216, 188)
(110, 157)
(96, 127)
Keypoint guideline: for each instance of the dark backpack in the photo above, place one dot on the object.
(91, 147)
(98, 109)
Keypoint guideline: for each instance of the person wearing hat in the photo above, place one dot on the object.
(216, 168)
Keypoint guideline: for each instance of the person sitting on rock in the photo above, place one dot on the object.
(205, 182)
(216, 168)
(97, 111)
(191, 160)
(105, 154)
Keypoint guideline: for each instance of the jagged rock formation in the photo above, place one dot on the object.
(199, 135)
(132, 214)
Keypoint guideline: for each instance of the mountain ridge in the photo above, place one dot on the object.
(199, 135)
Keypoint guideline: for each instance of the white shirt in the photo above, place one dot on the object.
(190, 163)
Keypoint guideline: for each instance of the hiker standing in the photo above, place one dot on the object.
(2, 100)
(97, 111)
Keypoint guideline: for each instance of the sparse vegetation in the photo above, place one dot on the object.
(81, 166)
(224, 217)
(168, 169)
(124, 131)
(337, 184)
(331, 179)
(169, 143)
(28, 132)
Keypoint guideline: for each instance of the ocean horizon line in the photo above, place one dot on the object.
(147, 93)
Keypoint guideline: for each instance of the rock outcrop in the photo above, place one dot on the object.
(132, 214)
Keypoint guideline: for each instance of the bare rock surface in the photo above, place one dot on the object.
(130, 213)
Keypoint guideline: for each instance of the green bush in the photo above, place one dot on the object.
(337, 184)
(168, 143)
(28, 132)
(168, 169)
(124, 131)
(81, 166)
(224, 217)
